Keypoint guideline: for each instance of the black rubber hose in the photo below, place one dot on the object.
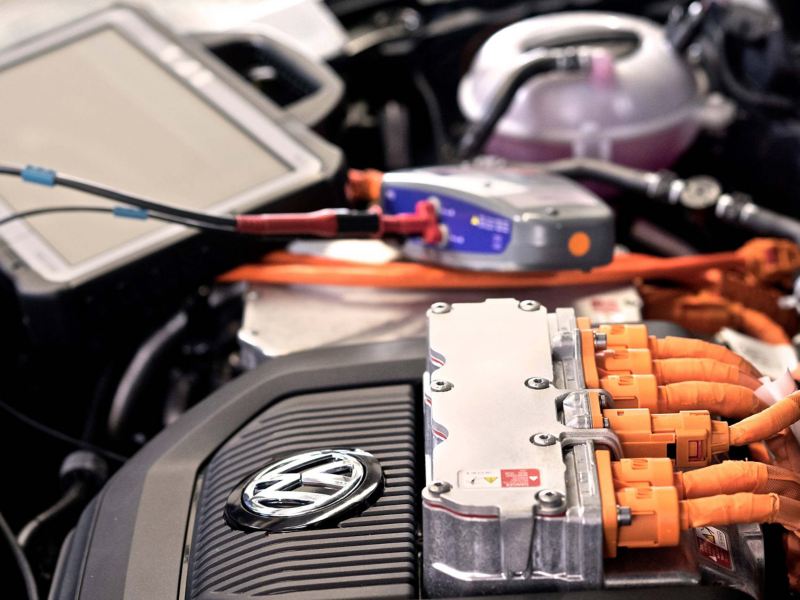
(139, 371)
(540, 62)
(72, 497)
(736, 209)
(649, 183)
(22, 562)
(739, 210)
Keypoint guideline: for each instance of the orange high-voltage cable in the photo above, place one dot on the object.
(284, 268)
(734, 476)
(740, 508)
(676, 370)
(723, 399)
(767, 423)
(678, 347)
(707, 312)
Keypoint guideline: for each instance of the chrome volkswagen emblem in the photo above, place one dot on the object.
(305, 490)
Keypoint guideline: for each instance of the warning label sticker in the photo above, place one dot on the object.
(499, 478)
(712, 543)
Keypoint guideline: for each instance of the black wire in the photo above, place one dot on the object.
(22, 563)
(98, 209)
(51, 209)
(118, 196)
(738, 90)
(41, 427)
(26, 538)
(479, 132)
(166, 209)
(438, 129)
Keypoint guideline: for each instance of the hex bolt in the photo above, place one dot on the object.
(537, 383)
(439, 385)
(606, 423)
(600, 341)
(624, 515)
(550, 501)
(529, 305)
(543, 439)
(439, 487)
(440, 308)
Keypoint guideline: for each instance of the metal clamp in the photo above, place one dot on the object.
(601, 437)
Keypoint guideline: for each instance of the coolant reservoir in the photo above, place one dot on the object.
(639, 105)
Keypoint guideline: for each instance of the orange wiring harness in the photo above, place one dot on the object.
(665, 394)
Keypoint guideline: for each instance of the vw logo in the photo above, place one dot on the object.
(311, 489)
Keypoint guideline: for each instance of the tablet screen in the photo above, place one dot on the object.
(102, 109)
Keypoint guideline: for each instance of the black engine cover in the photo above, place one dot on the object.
(135, 539)
(371, 555)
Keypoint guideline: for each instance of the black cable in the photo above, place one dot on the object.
(740, 92)
(132, 382)
(98, 209)
(22, 563)
(51, 209)
(30, 532)
(540, 62)
(50, 178)
(67, 439)
(165, 209)
(438, 129)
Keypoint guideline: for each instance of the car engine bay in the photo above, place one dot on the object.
(400, 299)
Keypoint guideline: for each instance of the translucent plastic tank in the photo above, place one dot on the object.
(639, 105)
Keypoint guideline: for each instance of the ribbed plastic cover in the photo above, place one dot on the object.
(368, 556)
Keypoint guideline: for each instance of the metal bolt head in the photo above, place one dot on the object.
(624, 515)
(550, 501)
(606, 422)
(439, 385)
(543, 439)
(600, 341)
(439, 487)
(529, 305)
(440, 308)
(537, 383)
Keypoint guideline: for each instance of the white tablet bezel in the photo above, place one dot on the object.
(35, 251)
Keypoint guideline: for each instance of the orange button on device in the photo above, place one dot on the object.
(579, 244)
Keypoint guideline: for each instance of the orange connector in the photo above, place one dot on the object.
(643, 472)
(620, 336)
(642, 391)
(632, 391)
(654, 517)
(690, 438)
(652, 512)
(363, 185)
(625, 361)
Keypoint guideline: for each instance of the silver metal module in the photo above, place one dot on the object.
(524, 510)
(512, 503)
